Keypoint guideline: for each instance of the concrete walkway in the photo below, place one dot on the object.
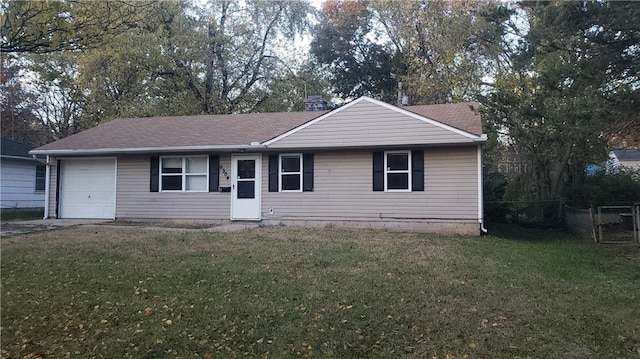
(36, 225)
(230, 227)
(22, 227)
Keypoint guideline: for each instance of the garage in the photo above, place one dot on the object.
(87, 188)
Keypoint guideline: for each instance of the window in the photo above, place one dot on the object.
(397, 171)
(186, 174)
(41, 177)
(291, 173)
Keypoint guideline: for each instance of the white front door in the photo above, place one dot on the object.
(246, 172)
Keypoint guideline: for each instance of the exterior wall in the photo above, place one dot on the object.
(134, 200)
(343, 183)
(18, 183)
(342, 195)
(368, 124)
(630, 164)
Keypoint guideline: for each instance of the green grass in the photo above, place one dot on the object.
(9, 215)
(287, 292)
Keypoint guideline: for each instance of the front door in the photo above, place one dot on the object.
(246, 171)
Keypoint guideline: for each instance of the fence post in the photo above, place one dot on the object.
(636, 222)
(593, 225)
(561, 210)
(599, 224)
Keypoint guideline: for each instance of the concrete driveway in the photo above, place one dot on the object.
(21, 227)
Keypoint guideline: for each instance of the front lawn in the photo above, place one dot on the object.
(286, 292)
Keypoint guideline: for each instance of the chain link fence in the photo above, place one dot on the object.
(604, 223)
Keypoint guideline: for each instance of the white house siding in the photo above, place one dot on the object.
(343, 184)
(134, 200)
(18, 183)
(630, 164)
(368, 124)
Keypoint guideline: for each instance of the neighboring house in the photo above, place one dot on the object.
(22, 178)
(365, 164)
(628, 158)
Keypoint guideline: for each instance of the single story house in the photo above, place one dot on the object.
(365, 164)
(22, 177)
(624, 157)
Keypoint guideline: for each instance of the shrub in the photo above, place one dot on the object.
(615, 186)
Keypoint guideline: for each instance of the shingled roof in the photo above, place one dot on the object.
(464, 116)
(234, 131)
(14, 149)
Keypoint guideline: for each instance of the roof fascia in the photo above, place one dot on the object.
(129, 150)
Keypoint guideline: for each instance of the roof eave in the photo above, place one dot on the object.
(141, 150)
(18, 158)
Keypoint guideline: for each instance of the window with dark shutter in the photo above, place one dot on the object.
(378, 171)
(154, 180)
(214, 177)
(273, 173)
(398, 171)
(417, 168)
(307, 180)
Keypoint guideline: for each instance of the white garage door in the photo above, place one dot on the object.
(87, 188)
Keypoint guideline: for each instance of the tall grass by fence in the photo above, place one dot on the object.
(545, 213)
(580, 221)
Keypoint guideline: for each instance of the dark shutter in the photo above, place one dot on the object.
(378, 171)
(417, 169)
(214, 177)
(307, 172)
(154, 178)
(273, 173)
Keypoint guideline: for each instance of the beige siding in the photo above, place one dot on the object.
(343, 184)
(133, 199)
(53, 186)
(368, 124)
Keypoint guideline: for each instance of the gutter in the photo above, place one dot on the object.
(44, 162)
(130, 150)
(47, 188)
(20, 158)
(480, 191)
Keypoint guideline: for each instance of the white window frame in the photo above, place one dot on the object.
(184, 174)
(281, 173)
(43, 178)
(387, 171)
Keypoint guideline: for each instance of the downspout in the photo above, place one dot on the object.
(480, 192)
(46, 184)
